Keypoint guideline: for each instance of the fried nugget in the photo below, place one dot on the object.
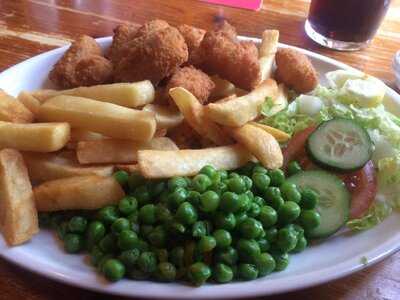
(295, 70)
(65, 73)
(122, 34)
(151, 27)
(236, 61)
(194, 80)
(193, 37)
(185, 137)
(153, 54)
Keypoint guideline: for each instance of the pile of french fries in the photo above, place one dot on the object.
(60, 148)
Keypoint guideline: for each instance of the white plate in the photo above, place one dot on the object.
(334, 258)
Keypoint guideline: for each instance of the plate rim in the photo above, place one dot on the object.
(346, 267)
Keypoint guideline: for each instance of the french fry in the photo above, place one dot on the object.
(164, 164)
(37, 137)
(227, 98)
(261, 144)
(223, 88)
(29, 101)
(124, 94)
(279, 135)
(160, 132)
(49, 166)
(239, 111)
(118, 151)
(109, 119)
(80, 192)
(196, 117)
(78, 134)
(13, 111)
(130, 168)
(165, 116)
(19, 220)
(268, 48)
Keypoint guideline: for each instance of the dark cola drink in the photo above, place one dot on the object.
(345, 24)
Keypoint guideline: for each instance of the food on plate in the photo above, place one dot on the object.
(261, 144)
(193, 37)
(109, 119)
(81, 65)
(125, 94)
(166, 117)
(78, 192)
(13, 111)
(130, 168)
(222, 89)
(196, 116)
(19, 219)
(78, 135)
(241, 110)
(30, 103)
(295, 70)
(165, 164)
(122, 34)
(39, 137)
(153, 54)
(193, 80)
(231, 59)
(268, 48)
(272, 106)
(49, 166)
(185, 137)
(279, 135)
(118, 151)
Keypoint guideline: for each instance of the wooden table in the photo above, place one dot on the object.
(31, 27)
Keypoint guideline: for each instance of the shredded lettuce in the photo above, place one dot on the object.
(376, 214)
(267, 106)
(389, 170)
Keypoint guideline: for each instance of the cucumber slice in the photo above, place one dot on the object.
(334, 203)
(340, 144)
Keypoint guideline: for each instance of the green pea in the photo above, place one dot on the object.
(122, 177)
(264, 244)
(147, 214)
(142, 245)
(230, 202)
(281, 261)
(219, 188)
(135, 180)
(268, 216)
(225, 221)
(142, 195)
(259, 201)
(108, 243)
(273, 197)
(261, 181)
(96, 255)
(209, 201)
(293, 168)
(240, 217)
(206, 243)
(286, 240)
(186, 213)
(133, 218)
(157, 237)
(254, 210)
(296, 228)
(237, 185)
(247, 181)
(244, 202)
(212, 173)
(223, 174)
(309, 198)
(102, 261)
(288, 212)
(95, 232)
(250, 195)
(129, 257)
(120, 224)
(127, 239)
(147, 262)
(265, 264)
(248, 271)
(247, 169)
(248, 250)
(176, 228)
(201, 183)
(233, 175)
(222, 237)
(166, 271)
(277, 177)
(113, 269)
(260, 169)
(198, 273)
(163, 214)
(127, 205)
(222, 273)
(290, 192)
(176, 256)
(201, 228)
(155, 188)
(228, 256)
(176, 182)
(177, 197)
(163, 197)
(107, 215)
(145, 229)
(271, 234)
(301, 245)
(62, 229)
(310, 219)
(73, 243)
(162, 254)
(194, 198)
(250, 228)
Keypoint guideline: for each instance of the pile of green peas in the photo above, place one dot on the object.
(216, 226)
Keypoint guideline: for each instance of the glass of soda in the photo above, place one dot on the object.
(345, 24)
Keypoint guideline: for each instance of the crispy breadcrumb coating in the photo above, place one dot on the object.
(185, 137)
(122, 34)
(193, 37)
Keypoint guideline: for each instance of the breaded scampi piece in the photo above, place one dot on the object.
(84, 53)
(185, 137)
(295, 70)
(151, 27)
(155, 53)
(194, 80)
(235, 61)
(193, 37)
(122, 34)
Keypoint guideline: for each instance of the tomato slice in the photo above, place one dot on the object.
(362, 183)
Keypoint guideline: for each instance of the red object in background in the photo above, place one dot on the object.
(248, 4)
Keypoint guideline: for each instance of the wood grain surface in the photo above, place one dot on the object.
(30, 27)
